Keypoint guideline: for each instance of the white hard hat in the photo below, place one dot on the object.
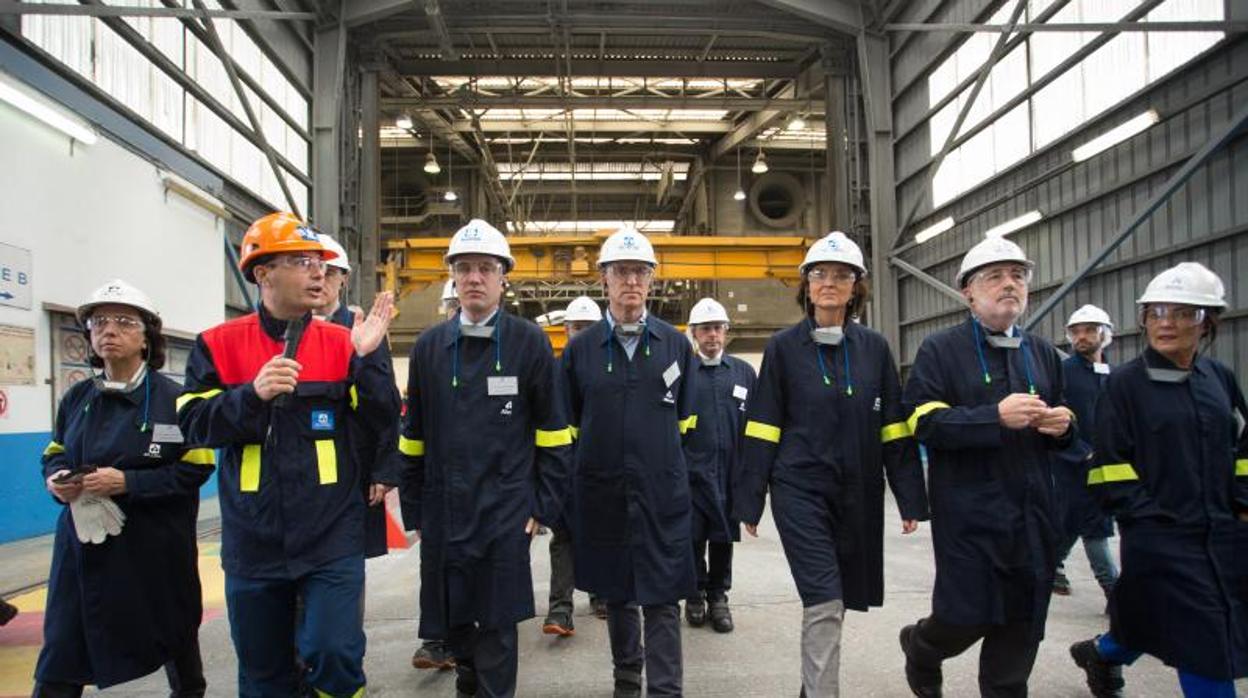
(448, 291)
(834, 247)
(1189, 283)
(990, 251)
(707, 310)
(479, 237)
(627, 245)
(582, 309)
(340, 260)
(1090, 314)
(117, 292)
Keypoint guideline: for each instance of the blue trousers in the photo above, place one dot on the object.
(330, 639)
(1193, 686)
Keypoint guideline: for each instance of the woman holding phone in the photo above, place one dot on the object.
(123, 592)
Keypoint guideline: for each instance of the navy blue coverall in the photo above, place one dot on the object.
(292, 504)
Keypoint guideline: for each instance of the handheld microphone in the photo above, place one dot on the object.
(294, 333)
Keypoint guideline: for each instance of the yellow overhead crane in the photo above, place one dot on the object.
(412, 264)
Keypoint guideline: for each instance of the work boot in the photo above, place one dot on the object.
(721, 616)
(465, 680)
(7, 611)
(600, 608)
(558, 623)
(695, 611)
(627, 682)
(433, 655)
(1061, 584)
(924, 681)
(1104, 678)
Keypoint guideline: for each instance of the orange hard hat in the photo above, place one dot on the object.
(277, 233)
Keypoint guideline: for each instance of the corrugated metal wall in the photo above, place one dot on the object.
(1084, 204)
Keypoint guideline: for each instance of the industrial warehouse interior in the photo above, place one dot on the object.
(146, 140)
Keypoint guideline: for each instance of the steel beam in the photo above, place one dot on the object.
(358, 12)
(278, 108)
(1177, 180)
(529, 67)
(841, 15)
(1068, 27)
(12, 7)
(328, 66)
(875, 77)
(928, 279)
(461, 100)
(836, 172)
(292, 58)
(640, 126)
(433, 13)
(998, 49)
(370, 187)
(196, 90)
(792, 97)
(214, 43)
(1038, 84)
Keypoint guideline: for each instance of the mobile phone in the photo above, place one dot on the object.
(75, 474)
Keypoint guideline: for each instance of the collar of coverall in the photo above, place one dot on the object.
(274, 327)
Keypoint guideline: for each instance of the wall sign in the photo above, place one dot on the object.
(15, 276)
(17, 355)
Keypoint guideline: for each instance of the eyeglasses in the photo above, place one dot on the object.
(302, 262)
(839, 276)
(994, 277)
(124, 323)
(486, 269)
(640, 272)
(1181, 315)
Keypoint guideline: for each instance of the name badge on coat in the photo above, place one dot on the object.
(502, 385)
(671, 374)
(1100, 368)
(739, 392)
(166, 434)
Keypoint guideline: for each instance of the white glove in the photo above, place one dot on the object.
(96, 518)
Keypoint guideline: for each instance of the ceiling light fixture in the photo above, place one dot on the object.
(933, 230)
(760, 163)
(1013, 225)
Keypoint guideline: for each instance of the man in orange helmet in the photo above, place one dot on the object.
(287, 408)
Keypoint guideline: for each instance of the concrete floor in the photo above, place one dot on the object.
(759, 659)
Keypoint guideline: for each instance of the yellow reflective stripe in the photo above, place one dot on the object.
(359, 693)
(921, 410)
(53, 449)
(690, 422)
(894, 431)
(558, 437)
(187, 397)
(355, 398)
(327, 461)
(576, 432)
(1241, 467)
(200, 456)
(765, 432)
(411, 447)
(1113, 472)
(249, 474)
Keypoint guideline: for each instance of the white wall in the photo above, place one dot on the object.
(90, 214)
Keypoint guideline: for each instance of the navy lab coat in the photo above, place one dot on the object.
(486, 445)
(713, 450)
(823, 449)
(1082, 515)
(1171, 464)
(631, 524)
(995, 520)
(121, 609)
(376, 458)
